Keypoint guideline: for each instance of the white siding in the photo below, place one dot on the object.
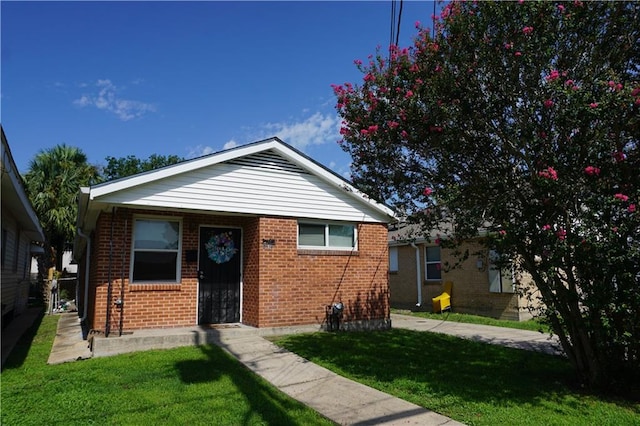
(260, 184)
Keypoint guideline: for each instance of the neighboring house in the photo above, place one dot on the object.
(418, 268)
(260, 234)
(20, 230)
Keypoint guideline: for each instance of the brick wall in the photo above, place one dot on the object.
(470, 293)
(295, 286)
(281, 285)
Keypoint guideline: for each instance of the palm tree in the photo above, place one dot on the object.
(52, 183)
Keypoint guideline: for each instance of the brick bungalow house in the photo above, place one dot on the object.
(417, 274)
(260, 234)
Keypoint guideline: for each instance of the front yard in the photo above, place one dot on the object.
(183, 386)
(472, 382)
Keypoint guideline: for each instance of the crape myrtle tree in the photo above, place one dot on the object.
(521, 119)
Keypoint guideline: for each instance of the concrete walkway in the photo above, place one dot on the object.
(342, 400)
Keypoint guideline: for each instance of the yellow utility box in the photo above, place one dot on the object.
(443, 301)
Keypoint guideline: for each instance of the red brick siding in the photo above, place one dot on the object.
(297, 285)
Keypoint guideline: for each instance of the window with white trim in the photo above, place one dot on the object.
(500, 278)
(433, 263)
(393, 259)
(326, 236)
(156, 251)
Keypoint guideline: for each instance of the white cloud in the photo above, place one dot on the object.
(317, 129)
(199, 151)
(231, 144)
(107, 99)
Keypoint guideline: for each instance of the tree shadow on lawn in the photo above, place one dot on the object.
(441, 366)
(271, 405)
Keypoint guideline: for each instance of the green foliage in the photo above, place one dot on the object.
(191, 385)
(126, 166)
(471, 382)
(521, 119)
(52, 184)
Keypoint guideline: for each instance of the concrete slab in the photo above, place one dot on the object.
(509, 337)
(69, 344)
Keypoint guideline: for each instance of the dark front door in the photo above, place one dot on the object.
(219, 272)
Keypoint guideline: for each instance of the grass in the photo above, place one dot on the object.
(191, 385)
(531, 325)
(471, 382)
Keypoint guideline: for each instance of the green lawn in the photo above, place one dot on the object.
(472, 382)
(183, 386)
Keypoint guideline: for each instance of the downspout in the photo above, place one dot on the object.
(107, 325)
(418, 280)
(85, 307)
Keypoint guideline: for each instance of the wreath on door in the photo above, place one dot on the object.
(221, 247)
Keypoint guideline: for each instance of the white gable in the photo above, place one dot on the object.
(275, 181)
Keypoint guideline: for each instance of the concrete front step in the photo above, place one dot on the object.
(167, 338)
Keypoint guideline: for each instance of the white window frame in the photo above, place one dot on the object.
(500, 280)
(326, 245)
(178, 251)
(428, 262)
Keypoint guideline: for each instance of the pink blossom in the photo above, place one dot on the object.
(593, 105)
(357, 62)
(554, 75)
(561, 8)
(636, 91)
(546, 227)
(408, 94)
(562, 234)
(548, 103)
(508, 46)
(438, 241)
(418, 24)
(502, 232)
(369, 77)
(527, 30)
(592, 171)
(373, 128)
(548, 173)
(427, 191)
(631, 208)
(568, 82)
(393, 124)
(364, 132)
(404, 134)
(518, 54)
(621, 197)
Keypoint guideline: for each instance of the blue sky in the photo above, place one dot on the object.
(185, 78)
